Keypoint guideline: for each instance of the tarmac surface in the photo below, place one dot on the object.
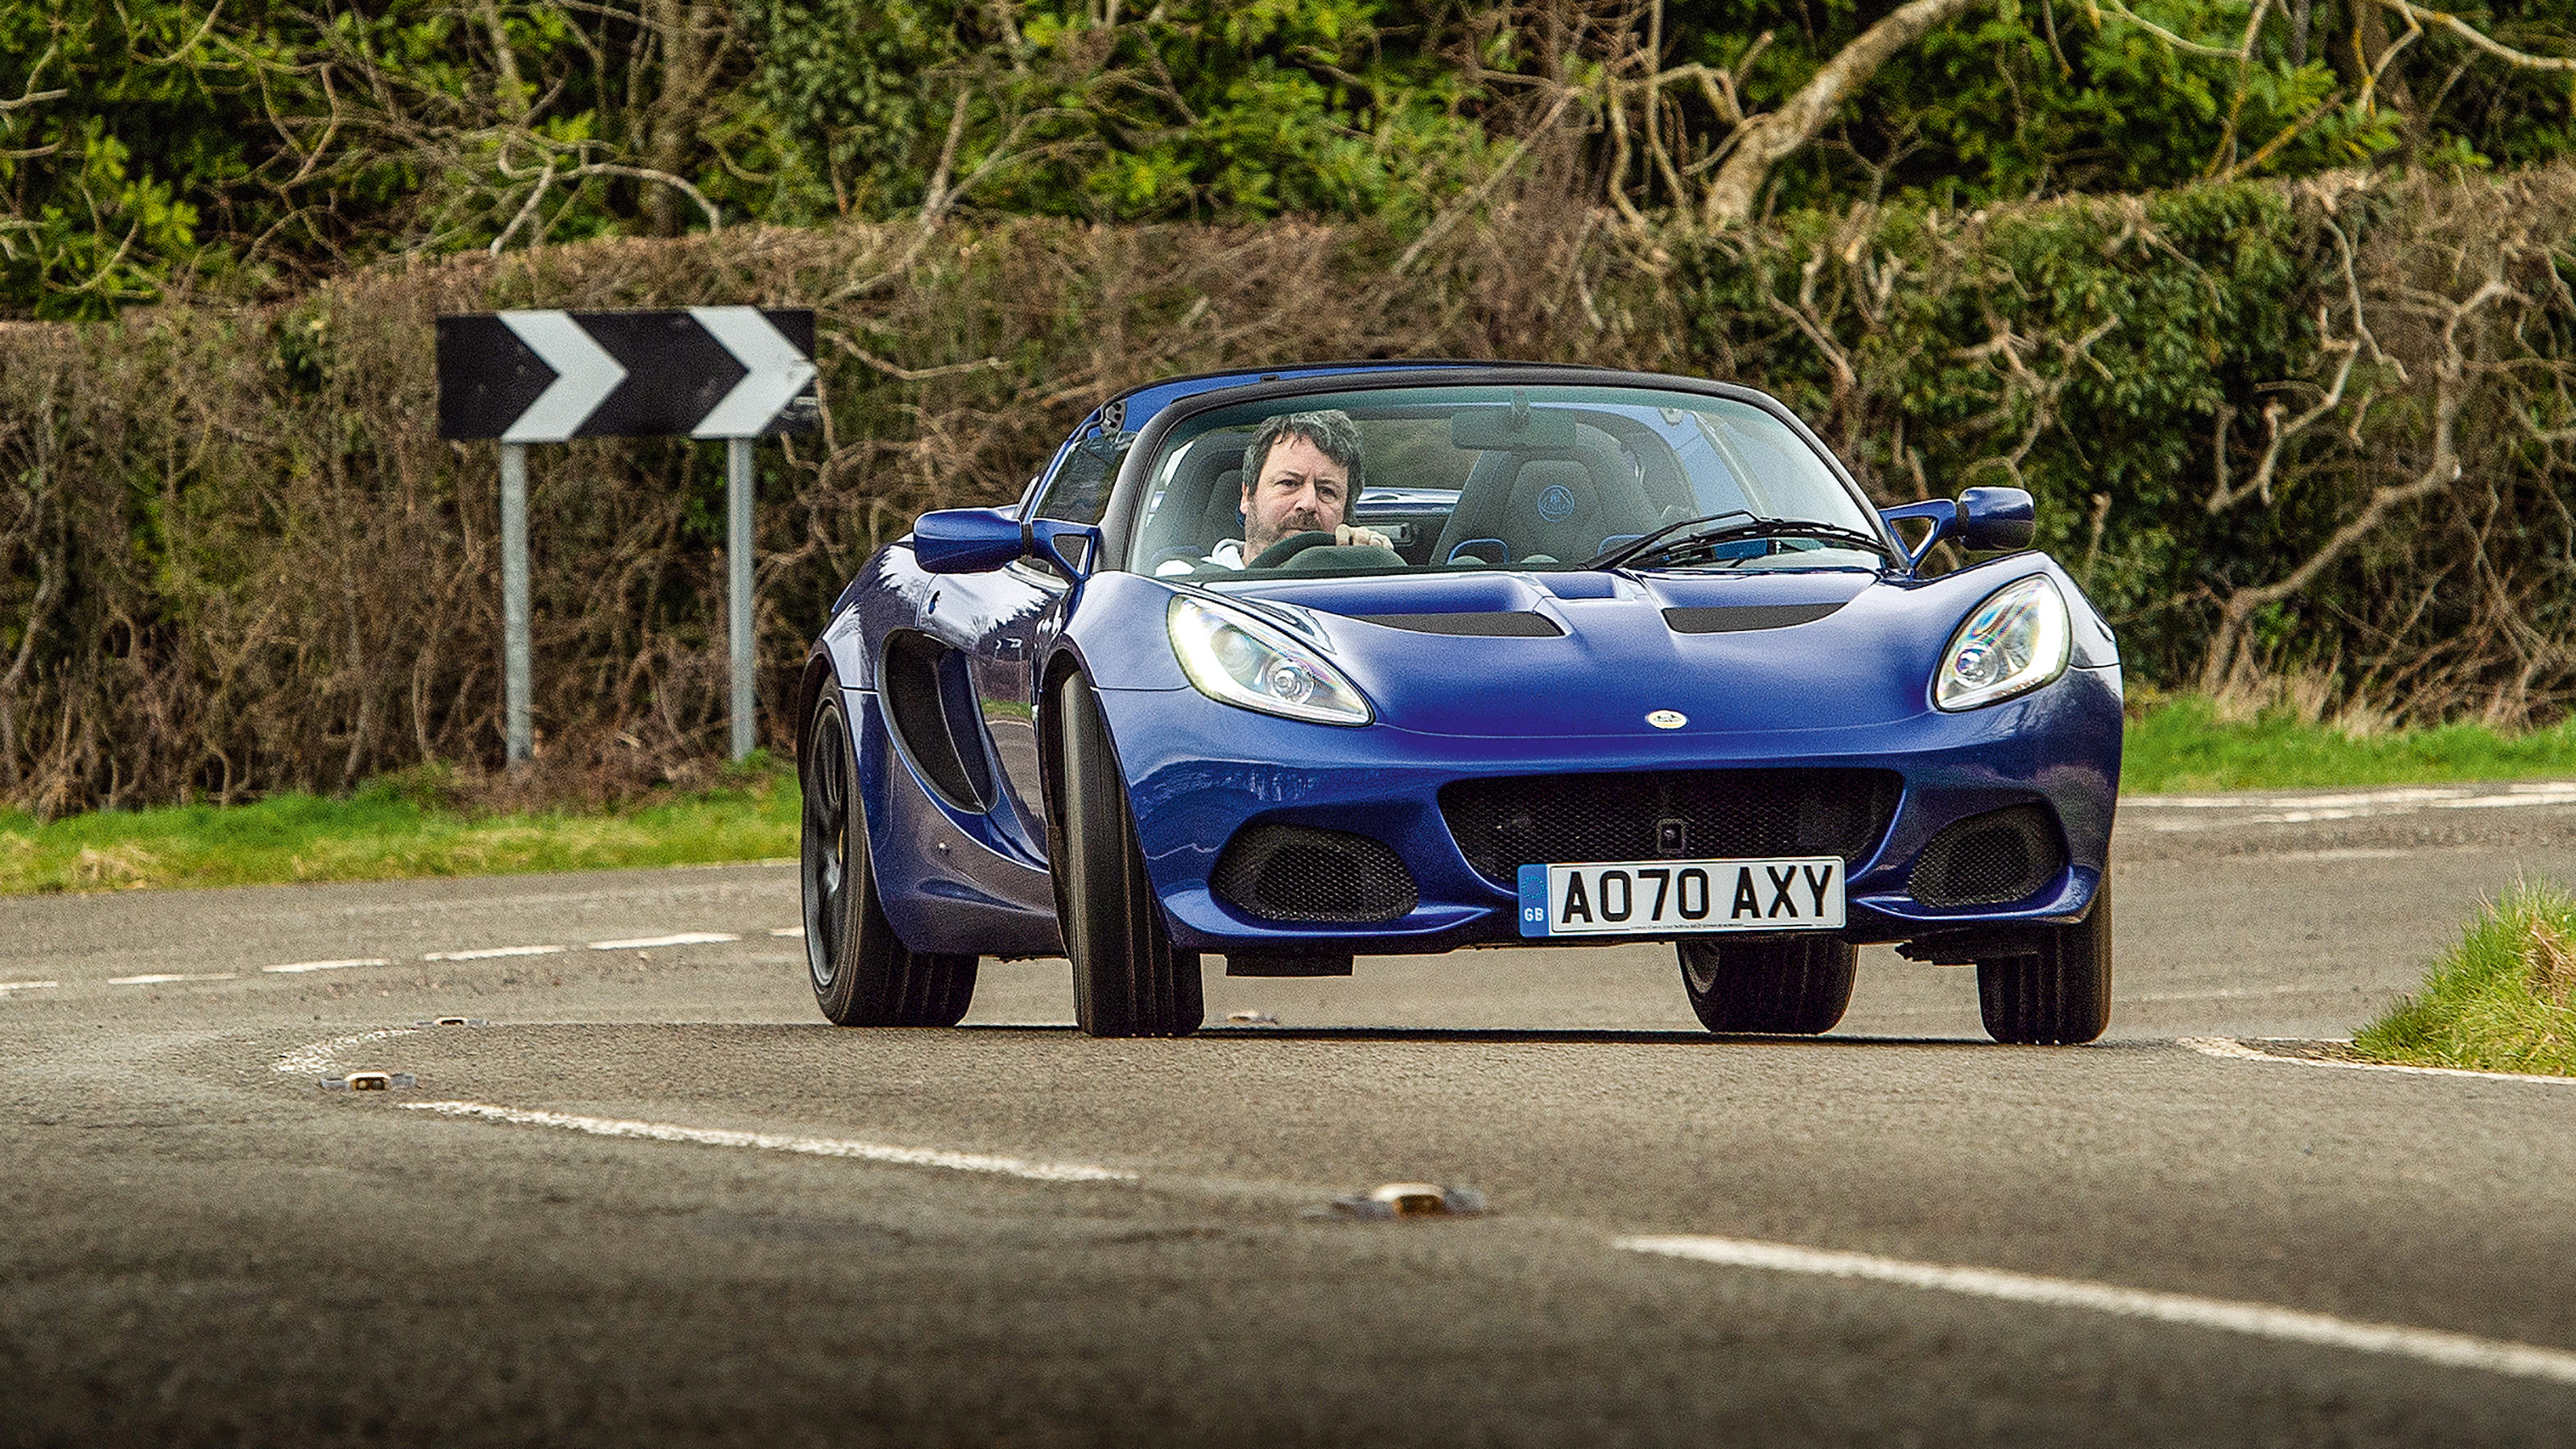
(644, 1195)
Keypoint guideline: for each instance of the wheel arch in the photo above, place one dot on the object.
(819, 675)
(1062, 665)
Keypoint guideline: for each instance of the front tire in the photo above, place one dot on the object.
(1127, 979)
(2059, 995)
(862, 973)
(1797, 987)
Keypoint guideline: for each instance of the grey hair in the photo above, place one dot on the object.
(1331, 431)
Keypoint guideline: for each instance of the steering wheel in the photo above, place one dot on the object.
(1291, 546)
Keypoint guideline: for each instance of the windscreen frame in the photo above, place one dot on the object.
(1123, 516)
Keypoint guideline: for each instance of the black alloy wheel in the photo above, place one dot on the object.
(2059, 995)
(1127, 979)
(1796, 987)
(862, 973)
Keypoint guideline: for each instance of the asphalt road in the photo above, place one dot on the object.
(647, 1197)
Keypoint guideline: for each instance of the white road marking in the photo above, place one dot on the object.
(2285, 809)
(774, 1142)
(685, 938)
(2230, 993)
(297, 968)
(315, 1058)
(2229, 1047)
(165, 980)
(2262, 1320)
(28, 985)
(796, 931)
(489, 952)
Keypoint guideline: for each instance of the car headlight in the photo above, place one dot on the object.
(2014, 642)
(1240, 660)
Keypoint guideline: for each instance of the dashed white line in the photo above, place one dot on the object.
(2231, 1048)
(166, 980)
(2261, 1320)
(28, 985)
(685, 938)
(796, 931)
(775, 1142)
(489, 952)
(297, 968)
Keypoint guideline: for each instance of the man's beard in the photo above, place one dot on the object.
(1291, 526)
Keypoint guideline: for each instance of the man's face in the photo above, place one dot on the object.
(1299, 489)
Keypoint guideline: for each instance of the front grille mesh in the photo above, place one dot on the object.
(1502, 825)
(1986, 860)
(1298, 873)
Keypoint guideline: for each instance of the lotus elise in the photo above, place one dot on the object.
(1545, 657)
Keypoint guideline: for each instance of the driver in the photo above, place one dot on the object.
(1299, 473)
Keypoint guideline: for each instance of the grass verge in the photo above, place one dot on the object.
(417, 824)
(2503, 1000)
(2182, 746)
(403, 826)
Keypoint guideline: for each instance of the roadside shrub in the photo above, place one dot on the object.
(2503, 1000)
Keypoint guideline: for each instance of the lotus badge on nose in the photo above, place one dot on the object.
(1668, 719)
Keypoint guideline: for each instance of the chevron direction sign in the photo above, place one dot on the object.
(549, 377)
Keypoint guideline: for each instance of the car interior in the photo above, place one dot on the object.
(1467, 488)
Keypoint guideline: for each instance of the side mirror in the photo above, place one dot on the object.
(1983, 520)
(1994, 519)
(968, 540)
(980, 540)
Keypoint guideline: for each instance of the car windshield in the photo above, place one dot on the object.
(1539, 477)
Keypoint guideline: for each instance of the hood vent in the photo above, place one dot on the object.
(1501, 624)
(1733, 618)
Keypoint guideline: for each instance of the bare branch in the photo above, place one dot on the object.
(2186, 46)
(2439, 472)
(2444, 20)
(1765, 140)
(1459, 211)
(905, 374)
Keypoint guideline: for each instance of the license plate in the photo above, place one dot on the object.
(1667, 897)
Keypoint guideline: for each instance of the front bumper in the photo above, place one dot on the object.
(1199, 772)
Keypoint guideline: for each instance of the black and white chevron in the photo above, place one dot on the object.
(548, 376)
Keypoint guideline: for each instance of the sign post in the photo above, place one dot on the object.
(518, 712)
(738, 585)
(736, 373)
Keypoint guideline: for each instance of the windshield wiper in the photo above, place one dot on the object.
(1614, 557)
(1678, 550)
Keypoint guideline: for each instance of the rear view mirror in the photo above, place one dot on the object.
(1512, 428)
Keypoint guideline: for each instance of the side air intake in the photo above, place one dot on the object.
(1298, 873)
(1987, 860)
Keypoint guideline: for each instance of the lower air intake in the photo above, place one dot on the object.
(1987, 860)
(1504, 824)
(1298, 873)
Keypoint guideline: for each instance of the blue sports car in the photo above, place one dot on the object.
(1296, 666)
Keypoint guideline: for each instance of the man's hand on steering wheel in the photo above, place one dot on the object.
(1296, 543)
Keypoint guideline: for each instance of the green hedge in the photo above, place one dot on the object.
(234, 558)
